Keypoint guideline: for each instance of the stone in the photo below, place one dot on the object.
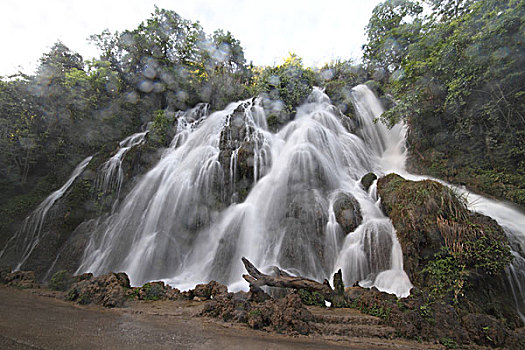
(347, 212)
(21, 279)
(367, 180)
(109, 290)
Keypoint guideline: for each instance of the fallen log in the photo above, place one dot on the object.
(257, 279)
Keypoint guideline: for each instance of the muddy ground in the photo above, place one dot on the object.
(38, 319)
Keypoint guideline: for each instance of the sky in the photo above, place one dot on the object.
(317, 31)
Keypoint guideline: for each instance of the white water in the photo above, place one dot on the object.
(110, 176)
(170, 226)
(28, 237)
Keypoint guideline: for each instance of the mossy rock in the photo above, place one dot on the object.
(61, 281)
(429, 216)
(367, 180)
(454, 255)
(311, 298)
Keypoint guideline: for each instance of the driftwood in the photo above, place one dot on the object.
(257, 279)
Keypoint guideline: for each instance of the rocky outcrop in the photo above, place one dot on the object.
(153, 291)
(238, 142)
(347, 212)
(286, 315)
(21, 279)
(108, 290)
(429, 217)
(206, 291)
(454, 256)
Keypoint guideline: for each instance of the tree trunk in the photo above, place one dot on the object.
(257, 279)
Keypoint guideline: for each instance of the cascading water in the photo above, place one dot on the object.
(110, 175)
(28, 237)
(303, 184)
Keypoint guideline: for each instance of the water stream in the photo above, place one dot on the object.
(227, 187)
(171, 226)
(30, 234)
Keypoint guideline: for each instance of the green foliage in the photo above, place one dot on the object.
(70, 108)
(311, 298)
(378, 311)
(446, 275)
(151, 291)
(448, 343)
(161, 124)
(338, 78)
(394, 25)
(486, 253)
(458, 81)
(254, 313)
(60, 281)
(289, 83)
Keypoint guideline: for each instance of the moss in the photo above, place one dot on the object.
(448, 343)
(429, 216)
(60, 281)
(151, 291)
(378, 311)
(445, 275)
(456, 256)
(501, 183)
(254, 313)
(311, 298)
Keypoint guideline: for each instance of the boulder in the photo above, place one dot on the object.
(209, 290)
(347, 212)
(108, 290)
(367, 180)
(21, 279)
(154, 291)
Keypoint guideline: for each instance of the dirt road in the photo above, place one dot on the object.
(37, 320)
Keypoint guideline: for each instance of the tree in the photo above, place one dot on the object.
(290, 83)
(446, 10)
(394, 25)
(461, 90)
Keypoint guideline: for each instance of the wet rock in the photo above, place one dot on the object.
(238, 142)
(4, 271)
(287, 315)
(206, 291)
(61, 281)
(21, 279)
(108, 290)
(347, 212)
(210, 290)
(485, 329)
(303, 226)
(367, 180)
(154, 291)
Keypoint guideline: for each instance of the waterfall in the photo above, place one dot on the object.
(110, 176)
(227, 187)
(28, 237)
